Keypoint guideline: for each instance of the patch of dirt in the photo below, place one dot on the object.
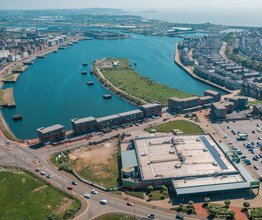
(66, 203)
(95, 157)
(37, 189)
(23, 180)
(49, 206)
(72, 157)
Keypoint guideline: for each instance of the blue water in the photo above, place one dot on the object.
(53, 90)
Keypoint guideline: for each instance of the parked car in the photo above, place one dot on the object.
(87, 196)
(151, 215)
(255, 167)
(243, 157)
(229, 142)
(249, 163)
(93, 191)
(254, 158)
(253, 132)
(103, 201)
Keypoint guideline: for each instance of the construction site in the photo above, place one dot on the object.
(187, 164)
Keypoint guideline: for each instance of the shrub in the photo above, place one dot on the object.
(150, 188)
(246, 204)
(163, 187)
(227, 202)
(181, 205)
(231, 213)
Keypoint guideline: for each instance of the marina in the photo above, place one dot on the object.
(67, 90)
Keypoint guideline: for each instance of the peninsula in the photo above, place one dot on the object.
(118, 76)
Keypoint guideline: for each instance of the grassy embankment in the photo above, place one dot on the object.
(25, 196)
(253, 103)
(6, 98)
(127, 79)
(185, 126)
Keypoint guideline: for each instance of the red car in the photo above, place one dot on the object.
(130, 203)
(70, 187)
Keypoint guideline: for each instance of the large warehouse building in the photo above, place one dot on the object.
(187, 164)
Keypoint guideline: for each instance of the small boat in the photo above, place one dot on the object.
(90, 83)
(84, 72)
(85, 64)
(17, 117)
(135, 64)
(108, 96)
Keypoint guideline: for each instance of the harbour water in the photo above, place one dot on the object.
(53, 90)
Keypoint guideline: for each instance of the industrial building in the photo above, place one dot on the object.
(187, 164)
(50, 134)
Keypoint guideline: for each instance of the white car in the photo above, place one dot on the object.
(87, 196)
(225, 136)
(93, 191)
(229, 142)
(42, 173)
(103, 201)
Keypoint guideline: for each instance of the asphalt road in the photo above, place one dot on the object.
(30, 158)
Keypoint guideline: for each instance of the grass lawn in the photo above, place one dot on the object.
(253, 103)
(139, 195)
(9, 77)
(115, 217)
(157, 195)
(185, 126)
(54, 161)
(116, 192)
(127, 79)
(25, 196)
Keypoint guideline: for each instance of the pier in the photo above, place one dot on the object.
(10, 78)
(7, 99)
(19, 69)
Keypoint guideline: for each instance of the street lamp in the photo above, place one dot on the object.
(134, 210)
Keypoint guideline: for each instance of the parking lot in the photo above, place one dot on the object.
(225, 129)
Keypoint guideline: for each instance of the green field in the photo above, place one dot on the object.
(185, 126)
(127, 79)
(253, 103)
(25, 196)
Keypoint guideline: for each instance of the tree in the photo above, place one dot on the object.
(191, 204)
(227, 202)
(246, 204)
(231, 213)
(164, 188)
(207, 200)
(181, 205)
(150, 188)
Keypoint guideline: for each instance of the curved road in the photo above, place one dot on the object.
(27, 157)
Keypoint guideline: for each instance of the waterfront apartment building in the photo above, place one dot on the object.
(190, 103)
(108, 121)
(206, 100)
(83, 125)
(219, 110)
(131, 116)
(51, 134)
(216, 95)
(240, 102)
(151, 109)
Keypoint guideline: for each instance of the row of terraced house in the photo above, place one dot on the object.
(105, 124)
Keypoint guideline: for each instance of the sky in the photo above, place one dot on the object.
(134, 5)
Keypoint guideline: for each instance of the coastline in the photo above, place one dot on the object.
(187, 70)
